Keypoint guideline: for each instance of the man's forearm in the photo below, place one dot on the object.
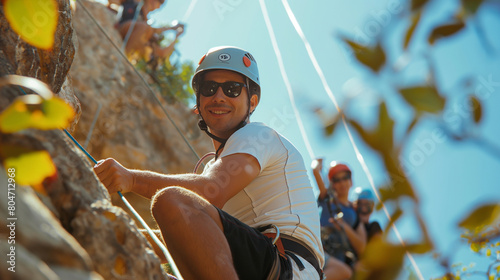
(147, 183)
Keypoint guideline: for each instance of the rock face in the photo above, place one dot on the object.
(120, 116)
(73, 231)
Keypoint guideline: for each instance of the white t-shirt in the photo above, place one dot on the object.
(281, 194)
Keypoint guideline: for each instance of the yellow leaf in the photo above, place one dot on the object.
(477, 111)
(475, 247)
(31, 168)
(481, 217)
(488, 252)
(34, 21)
(381, 260)
(31, 111)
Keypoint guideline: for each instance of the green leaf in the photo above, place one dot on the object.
(481, 217)
(411, 30)
(31, 111)
(367, 136)
(372, 57)
(477, 111)
(31, 167)
(34, 21)
(423, 99)
(385, 130)
(445, 31)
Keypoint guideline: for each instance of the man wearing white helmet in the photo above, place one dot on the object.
(222, 224)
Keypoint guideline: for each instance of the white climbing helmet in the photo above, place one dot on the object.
(229, 58)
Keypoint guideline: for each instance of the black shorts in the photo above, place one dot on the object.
(253, 253)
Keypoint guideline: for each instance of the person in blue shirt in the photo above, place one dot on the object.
(343, 235)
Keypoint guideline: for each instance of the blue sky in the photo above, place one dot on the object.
(450, 178)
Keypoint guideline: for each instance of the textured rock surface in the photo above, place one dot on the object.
(73, 231)
(129, 126)
(43, 249)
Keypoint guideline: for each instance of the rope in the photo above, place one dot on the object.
(92, 126)
(201, 160)
(140, 76)
(143, 223)
(131, 27)
(359, 156)
(285, 78)
(189, 10)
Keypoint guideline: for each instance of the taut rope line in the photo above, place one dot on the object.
(285, 78)
(140, 76)
(359, 156)
(143, 223)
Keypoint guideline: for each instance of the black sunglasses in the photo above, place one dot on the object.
(230, 89)
(343, 178)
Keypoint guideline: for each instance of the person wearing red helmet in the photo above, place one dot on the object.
(343, 236)
(252, 213)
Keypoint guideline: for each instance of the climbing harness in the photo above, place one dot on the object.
(341, 250)
(289, 247)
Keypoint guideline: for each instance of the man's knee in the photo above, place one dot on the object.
(176, 204)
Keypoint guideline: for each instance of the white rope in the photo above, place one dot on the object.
(189, 11)
(359, 156)
(158, 242)
(285, 78)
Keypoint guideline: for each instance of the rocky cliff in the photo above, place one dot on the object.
(74, 231)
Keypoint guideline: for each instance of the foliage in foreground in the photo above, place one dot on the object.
(426, 102)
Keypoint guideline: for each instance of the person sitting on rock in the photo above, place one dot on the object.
(143, 40)
(252, 213)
